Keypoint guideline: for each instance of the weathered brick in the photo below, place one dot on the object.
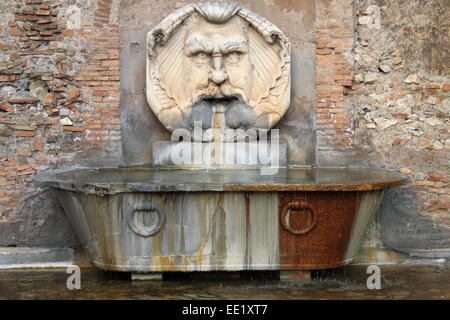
(23, 101)
(25, 134)
(5, 108)
(75, 129)
(42, 12)
(25, 128)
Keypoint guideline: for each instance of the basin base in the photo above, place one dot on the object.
(295, 275)
(153, 276)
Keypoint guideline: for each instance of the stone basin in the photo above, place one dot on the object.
(143, 219)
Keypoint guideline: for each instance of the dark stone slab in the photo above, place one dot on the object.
(404, 229)
(40, 223)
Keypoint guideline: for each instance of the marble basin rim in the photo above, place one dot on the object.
(146, 178)
(146, 219)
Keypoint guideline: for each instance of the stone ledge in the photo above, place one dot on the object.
(25, 257)
(386, 256)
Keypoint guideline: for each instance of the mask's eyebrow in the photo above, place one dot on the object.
(195, 44)
(236, 44)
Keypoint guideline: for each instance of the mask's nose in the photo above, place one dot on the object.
(218, 74)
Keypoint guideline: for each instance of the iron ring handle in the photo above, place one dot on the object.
(145, 232)
(297, 205)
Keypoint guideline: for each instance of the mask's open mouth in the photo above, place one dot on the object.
(220, 100)
(221, 111)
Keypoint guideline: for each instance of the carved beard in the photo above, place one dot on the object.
(238, 113)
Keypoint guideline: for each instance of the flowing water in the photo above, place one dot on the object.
(397, 282)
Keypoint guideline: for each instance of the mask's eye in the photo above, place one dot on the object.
(202, 57)
(232, 57)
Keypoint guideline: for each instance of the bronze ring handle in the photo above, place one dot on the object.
(297, 205)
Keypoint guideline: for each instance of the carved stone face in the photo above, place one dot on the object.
(217, 63)
(214, 58)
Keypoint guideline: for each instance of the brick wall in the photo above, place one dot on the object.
(59, 91)
(334, 63)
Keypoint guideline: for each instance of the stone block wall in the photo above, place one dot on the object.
(382, 100)
(401, 91)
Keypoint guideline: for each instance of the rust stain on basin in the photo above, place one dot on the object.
(325, 244)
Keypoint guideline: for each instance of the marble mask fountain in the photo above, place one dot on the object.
(217, 71)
